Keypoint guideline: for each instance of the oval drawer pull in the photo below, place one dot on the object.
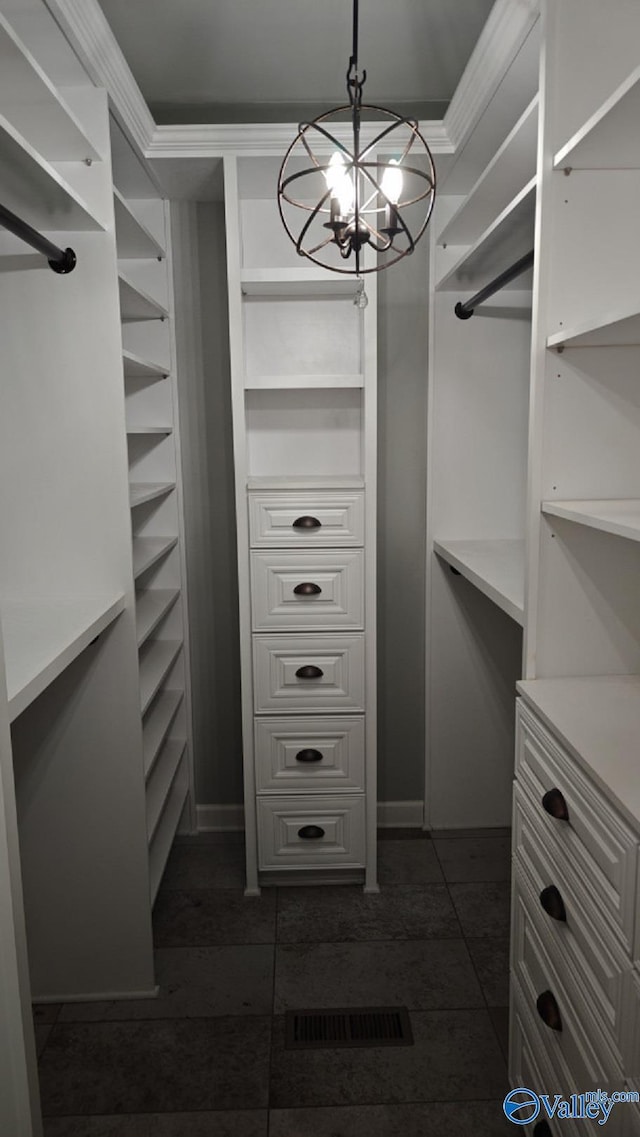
(549, 1010)
(553, 903)
(307, 522)
(309, 671)
(542, 1129)
(311, 832)
(555, 805)
(309, 756)
(307, 589)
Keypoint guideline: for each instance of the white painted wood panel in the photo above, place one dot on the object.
(336, 685)
(307, 590)
(304, 431)
(284, 762)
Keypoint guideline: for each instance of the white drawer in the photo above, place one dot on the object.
(304, 832)
(592, 956)
(579, 1046)
(596, 840)
(308, 673)
(302, 754)
(315, 589)
(339, 519)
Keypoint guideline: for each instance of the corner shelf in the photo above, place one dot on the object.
(612, 329)
(152, 604)
(135, 367)
(140, 492)
(156, 660)
(160, 781)
(496, 568)
(42, 637)
(147, 551)
(619, 516)
(512, 167)
(134, 240)
(135, 304)
(297, 282)
(157, 725)
(300, 382)
(39, 112)
(609, 137)
(598, 719)
(510, 236)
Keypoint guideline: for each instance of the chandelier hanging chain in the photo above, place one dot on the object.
(357, 186)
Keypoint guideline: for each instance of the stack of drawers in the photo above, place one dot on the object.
(307, 609)
(575, 1025)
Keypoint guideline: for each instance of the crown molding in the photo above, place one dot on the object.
(89, 34)
(506, 29)
(217, 140)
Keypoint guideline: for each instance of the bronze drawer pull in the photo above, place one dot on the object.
(309, 756)
(553, 903)
(549, 1010)
(311, 832)
(555, 805)
(307, 523)
(309, 671)
(307, 589)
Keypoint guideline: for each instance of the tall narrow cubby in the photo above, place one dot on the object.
(303, 359)
(153, 440)
(479, 375)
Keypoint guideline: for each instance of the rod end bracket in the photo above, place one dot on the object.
(462, 312)
(65, 264)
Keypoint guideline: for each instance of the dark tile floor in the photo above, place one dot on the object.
(207, 1057)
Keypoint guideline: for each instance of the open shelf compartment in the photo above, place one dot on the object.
(505, 241)
(619, 516)
(609, 138)
(495, 567)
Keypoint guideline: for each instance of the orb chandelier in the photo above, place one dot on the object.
(361, 196)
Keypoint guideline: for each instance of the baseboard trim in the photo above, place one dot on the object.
(219, 818)
(97, 996)
(400, 814)
(228, 818)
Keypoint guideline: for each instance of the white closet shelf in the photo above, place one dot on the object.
(157, 725)
(297, 282)
(598, 720)
(620, 516)
(135, 367)
(43, 636)
(133, 239)
(496, 568)
(166, 828)
(147, 551)
(508, 238)
(38, 111)
(139, 492)
(156, 660)
(306, 481)
(300, 382)
(31, 187)
(152, 604)
(609, 329)
(136, 304)
(510, 169)
(161, 780)
(133, 430)
(609, 137)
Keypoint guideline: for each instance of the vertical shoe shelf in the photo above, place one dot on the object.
(156, 517)
(303, 361)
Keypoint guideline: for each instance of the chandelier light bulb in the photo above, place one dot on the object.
(392, 182)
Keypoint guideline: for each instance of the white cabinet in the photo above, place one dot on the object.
(303, 359)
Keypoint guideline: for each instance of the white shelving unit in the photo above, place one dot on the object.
(496, 568)
(303, 361)
(155, 489)
(622, 518)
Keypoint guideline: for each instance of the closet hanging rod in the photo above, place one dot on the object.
(465, 311)
(60, 260)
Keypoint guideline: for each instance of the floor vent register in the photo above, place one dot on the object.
(364, 1026)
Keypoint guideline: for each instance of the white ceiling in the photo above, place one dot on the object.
(284, 60)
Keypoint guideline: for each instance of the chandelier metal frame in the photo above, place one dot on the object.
(366, 170)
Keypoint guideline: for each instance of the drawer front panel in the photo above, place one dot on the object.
(307, 832)
(272, 518)
(579, 1045)
(302, 754)
(308, 673)
(295, 591)
(597, 842)
(593, 957)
